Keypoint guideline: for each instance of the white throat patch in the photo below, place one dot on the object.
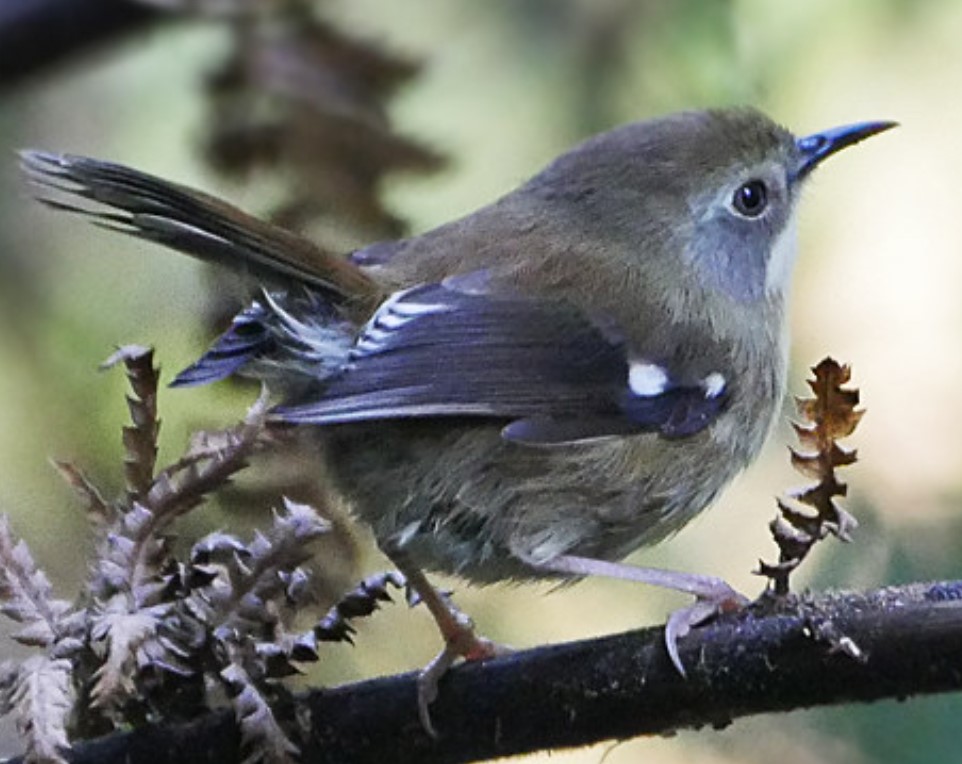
(782, 260)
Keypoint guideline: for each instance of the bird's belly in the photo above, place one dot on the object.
(462, 500)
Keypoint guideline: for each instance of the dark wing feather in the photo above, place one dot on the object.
(544, 369)
(247, 339)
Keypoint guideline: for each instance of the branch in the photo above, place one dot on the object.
(801, 653)
(37, 34)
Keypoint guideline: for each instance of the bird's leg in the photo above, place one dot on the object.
(712, 595)
(457, 631)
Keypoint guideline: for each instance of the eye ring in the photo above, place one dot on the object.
(751, 198)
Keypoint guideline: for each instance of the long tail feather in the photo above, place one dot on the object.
(194, 223)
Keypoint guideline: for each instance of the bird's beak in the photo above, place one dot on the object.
(812, 149)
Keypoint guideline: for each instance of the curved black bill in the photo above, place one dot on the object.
(815, 148)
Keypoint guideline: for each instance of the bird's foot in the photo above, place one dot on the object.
(460, 642)
(457, 631)
(712, 595)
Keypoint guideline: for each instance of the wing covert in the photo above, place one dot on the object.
(549, 373)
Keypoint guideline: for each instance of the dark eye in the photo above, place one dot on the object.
(750, 198)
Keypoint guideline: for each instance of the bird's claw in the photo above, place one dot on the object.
(463, 644)
(716, 598)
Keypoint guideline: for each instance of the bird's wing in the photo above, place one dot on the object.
(539, 366)
(378, 253)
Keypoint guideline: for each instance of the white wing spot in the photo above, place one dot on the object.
(647, 379)
(713, 384)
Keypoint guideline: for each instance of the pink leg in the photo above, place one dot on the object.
(712, 595)
(457, 630)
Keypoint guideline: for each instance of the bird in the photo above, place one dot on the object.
(539, 388)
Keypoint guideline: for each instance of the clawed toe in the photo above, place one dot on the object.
(457, 630)
(466, 645)
(716, 598)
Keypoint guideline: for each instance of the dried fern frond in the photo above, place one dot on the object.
(123, 631)
(136, 547)
(255, 573)
(261, 736)
(43, 701)
(100, 512)
(205, 468)
(297, 98)
(39, 691)
(153, 634)
(26, 594)
(360, 602)
(140, 439)
(809, 514)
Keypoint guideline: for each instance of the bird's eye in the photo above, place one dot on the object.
(750, 199)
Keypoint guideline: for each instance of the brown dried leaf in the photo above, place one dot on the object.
(846, 524)
(797, 519)
(135, 549)
(810, 465)
(131, 555)
(125, 353)
(832, 411)
(826, 418)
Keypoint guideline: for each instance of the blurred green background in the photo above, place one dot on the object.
(506, 85)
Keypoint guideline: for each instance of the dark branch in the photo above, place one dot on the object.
(37, 34)
(796, 655)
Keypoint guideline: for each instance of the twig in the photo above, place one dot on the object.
(38, 34)
(615, 687)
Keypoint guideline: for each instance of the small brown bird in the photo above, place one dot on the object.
(543, 386)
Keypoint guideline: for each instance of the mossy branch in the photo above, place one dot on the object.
(614, 687)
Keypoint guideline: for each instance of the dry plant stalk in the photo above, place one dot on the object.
(808, 515)
(152, 634)
(297, 100)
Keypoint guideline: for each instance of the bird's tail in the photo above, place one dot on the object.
(196, 224)
(294, 337)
